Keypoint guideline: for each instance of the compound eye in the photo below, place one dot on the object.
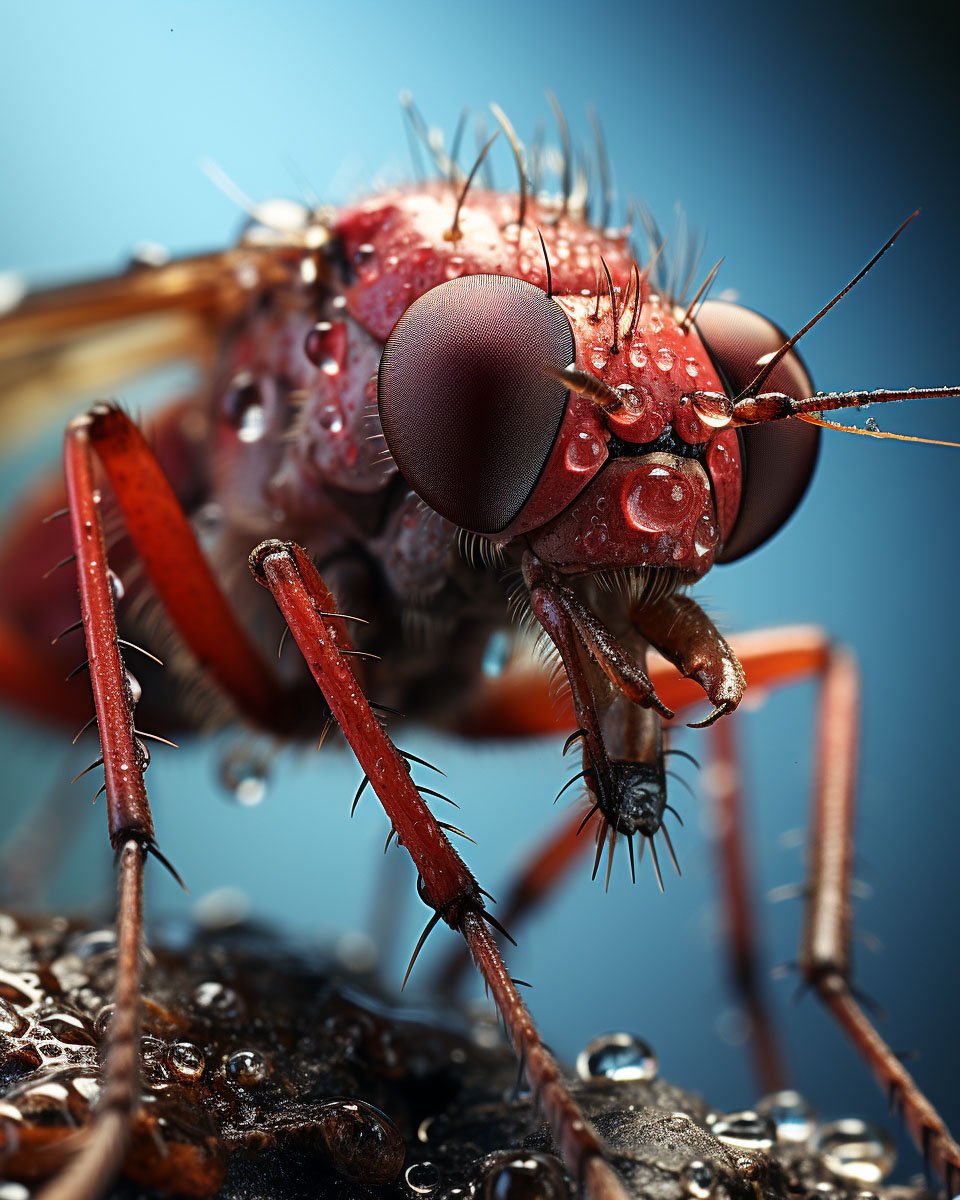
(778, 458)
(469, 414)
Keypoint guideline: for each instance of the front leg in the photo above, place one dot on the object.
(446, 884)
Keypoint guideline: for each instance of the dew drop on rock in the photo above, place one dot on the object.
(422, 1178)
(185, 1060)
(857, 1151)
(11, 1022)
(525, 1176)
(95, 943)
(794, 1117)
(244, 774)
(747, 1130)
(617, 1056)
(216, 998)
(246, 1068)
(363, 1143)
(698, 1179)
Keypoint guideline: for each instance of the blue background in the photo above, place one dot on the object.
(797, 138)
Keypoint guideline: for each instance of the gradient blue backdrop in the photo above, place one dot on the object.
(797, 138)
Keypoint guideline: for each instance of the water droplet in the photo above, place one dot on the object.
(582, 452)
(617, 1056)
(638, 356)
(794, 1117)
(116, 585)
(136, 691)
(95, 943)
(252, 426)
(698, 1178)
(243, 394)
(857, 1151)
(691, 368)
(529, 1175)
(11, 1022)
(422, 1178)
(69, 1028)
(872, 425)
(246, 1068)
(186, 1060)
(216, 998)
(598, 357)
(243, 772)
(103, 1019)
(747, 1130)
(665, 359)
(655, 322)
(331, 418)
(363, 1143)
(713, 408)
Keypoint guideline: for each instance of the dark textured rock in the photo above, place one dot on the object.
(267, 1077)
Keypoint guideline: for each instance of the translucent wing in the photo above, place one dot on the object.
(86, 339)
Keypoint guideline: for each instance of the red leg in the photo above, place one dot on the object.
(447, 885)
(740, 926)
(131, 833)
(825, 947)
(178, 571)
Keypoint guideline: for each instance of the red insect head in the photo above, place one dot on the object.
(514, 403)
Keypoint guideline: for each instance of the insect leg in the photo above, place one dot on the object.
(178, 571)
(730, 824)
(130, 827)
(825, 945)
(446, 885)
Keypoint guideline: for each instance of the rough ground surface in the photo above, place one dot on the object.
(267, 1077)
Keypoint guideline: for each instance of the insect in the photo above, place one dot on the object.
(432, 390)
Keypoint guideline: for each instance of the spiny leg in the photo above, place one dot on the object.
(825, 945)
(178, 571)
(130, 827)
(446, 884)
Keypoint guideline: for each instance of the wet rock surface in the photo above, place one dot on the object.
(265, 1076)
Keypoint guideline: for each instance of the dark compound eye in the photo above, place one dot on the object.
(467, 409)
(778, 458)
